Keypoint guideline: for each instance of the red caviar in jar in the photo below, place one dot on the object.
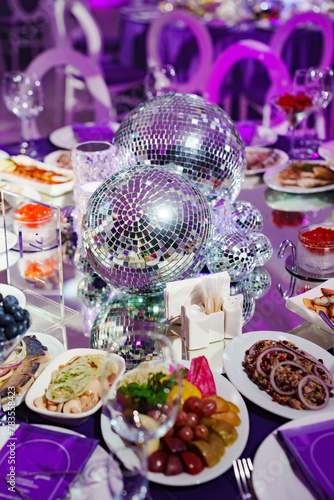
(318, 239)
(34, 215)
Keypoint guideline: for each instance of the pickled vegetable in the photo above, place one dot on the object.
(206, 452)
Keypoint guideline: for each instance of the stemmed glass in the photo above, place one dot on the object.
(159, 80)
(319, 85)
(23, 96)
(142, 401)
(299, 85)
(295, 108)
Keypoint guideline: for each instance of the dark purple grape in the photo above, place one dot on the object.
(18, 314)
(11, 331)
(21, 328)
(2, 311)
(3, 337)
(10, 303)
(6, 319)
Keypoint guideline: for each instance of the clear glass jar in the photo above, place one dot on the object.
(315, 249)
(36, 226)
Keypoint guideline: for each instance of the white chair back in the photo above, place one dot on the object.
(323, 22)
(89, 71)
(90, 28)
(277, 71)
(204, 42)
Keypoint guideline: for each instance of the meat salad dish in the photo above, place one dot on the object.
(291, 376)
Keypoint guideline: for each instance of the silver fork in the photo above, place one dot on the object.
(243, 469)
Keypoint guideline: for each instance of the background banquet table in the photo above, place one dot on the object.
(178, 47)
(282, 215)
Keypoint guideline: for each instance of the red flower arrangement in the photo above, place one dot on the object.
(293, 104)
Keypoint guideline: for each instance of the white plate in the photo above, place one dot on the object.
(224, 389)
(296, 305)
(12, 290)
(269, 179)
(326, 150)
(3, 155)
(273, 477)
(40, 385)
(234, 355)
(24, 191)
(52, 158)
(93, 481)
(11, 240)
(54, 347)
(64, 137)
(282, 159)
(50, 189)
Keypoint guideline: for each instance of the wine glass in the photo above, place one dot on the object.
(159, 80)
(320, 86)
(23, 96)
(142, 397)
(305, 146)
(295, 108)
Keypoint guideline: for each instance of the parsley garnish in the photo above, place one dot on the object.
(154, 392)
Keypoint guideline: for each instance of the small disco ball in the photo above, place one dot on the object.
(245, 217)
(263, 248)
(124, 314)
(145, 226)
(231, 252)
(93, 291)
(258, 282)
(194, 135)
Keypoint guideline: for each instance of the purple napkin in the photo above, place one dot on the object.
(84, 132)
(311, 453)
(247, 131)
(31, 458)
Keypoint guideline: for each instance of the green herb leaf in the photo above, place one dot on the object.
(154, 392)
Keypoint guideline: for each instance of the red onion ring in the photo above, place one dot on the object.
(272, 378)
(10, 367)
(330, 382)
(301, 395)
(299, 353)
(265, 352)
(253, 350)
(4, 374)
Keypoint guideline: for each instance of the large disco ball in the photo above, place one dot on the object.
(145, 226)
(194, 135)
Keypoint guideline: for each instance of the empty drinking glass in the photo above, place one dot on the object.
(23, 96)
(159, 80)
(320, 86)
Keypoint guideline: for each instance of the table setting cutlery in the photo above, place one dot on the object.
(243, 469)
